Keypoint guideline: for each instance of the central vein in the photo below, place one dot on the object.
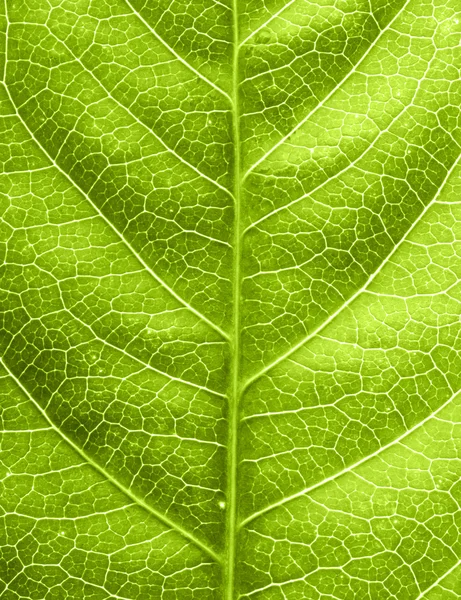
(231, 525)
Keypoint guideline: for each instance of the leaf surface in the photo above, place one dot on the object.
(230, 298)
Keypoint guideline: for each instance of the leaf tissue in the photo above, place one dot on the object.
(230, 299)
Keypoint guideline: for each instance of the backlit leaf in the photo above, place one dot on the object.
(230, 299)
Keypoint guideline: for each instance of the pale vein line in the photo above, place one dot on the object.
(125, 352)
(331, 93)
(379, 135)
(115, 230)
(9, 586)
(274, 16)
(439, 580)
(102, 471)
(28, 431)
(343, 306)
(140, 361)
(176, 55)
(140, 122)
(349, 468)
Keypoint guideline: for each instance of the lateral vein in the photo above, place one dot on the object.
(349, 468)
(331, 93)
(175, 54)
(102, 471)
(115, 230)
(144, 125)
(343, 306)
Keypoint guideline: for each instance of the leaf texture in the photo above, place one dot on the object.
(230, 298)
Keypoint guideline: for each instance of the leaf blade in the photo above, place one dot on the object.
(265, 361)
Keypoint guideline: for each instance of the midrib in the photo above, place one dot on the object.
(233, 416)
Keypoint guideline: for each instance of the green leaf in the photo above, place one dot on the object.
(230, 298)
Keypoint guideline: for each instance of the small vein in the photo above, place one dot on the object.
(274, 16)
(331, 93)
(343, 306)
(143, 363)
(349, 468)
(128, 354)
(115, 230)
(346, 168)
(439, 580)
(144, 125)
(176, 55)
(102, 471)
